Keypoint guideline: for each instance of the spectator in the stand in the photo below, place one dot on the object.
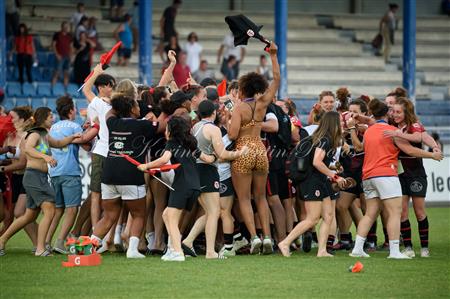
(172, 45)
(116, 10)
(194, 51)
(24, 47)
(81, 27)
(82, 63)
(388, 24)
(12, 18)
(229, 70)
(167, 22)
(227, 48)
(203, 72)
(76, 17)
(93, 34)
(181, 70)
(263, 69)
(134, 12)
(61, 46)
(124, 34)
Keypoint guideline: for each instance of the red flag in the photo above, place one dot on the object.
(222, 88)
(105, 59)
(163, 168)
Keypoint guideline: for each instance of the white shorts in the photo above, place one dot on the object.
(125, 192)
(382, 187)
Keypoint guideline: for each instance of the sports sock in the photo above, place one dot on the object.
(133, 244)
(359, 244)
(423, 232)
(345, 238)
(228, 238)
(372, 235)
(405, 229)
(330, 241)
(394, 247)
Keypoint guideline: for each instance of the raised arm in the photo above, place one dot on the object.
(275, 84)
(168, 73)
(87, 89)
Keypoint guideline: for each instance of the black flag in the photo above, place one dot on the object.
(243, 29)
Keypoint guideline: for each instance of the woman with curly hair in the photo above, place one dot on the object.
(251, 169)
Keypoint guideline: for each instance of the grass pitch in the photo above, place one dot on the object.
(300, 276)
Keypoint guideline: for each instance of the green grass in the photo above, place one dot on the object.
(302, 275)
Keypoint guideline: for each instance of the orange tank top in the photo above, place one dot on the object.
(381, 154)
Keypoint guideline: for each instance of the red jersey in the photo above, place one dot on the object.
(63, 42)
(24, 44)
(412, 166)
(381, 153)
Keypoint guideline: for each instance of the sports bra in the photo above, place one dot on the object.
(253, 122)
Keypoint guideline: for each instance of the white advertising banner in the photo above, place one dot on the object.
(438, 180)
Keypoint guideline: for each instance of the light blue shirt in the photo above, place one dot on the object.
(67, 157)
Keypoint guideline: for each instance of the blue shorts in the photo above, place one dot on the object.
(68, 191)
(63, 64)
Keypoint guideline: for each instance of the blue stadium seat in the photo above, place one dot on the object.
(38, 102)
(51, 60)
(44, 89)
(72, 90)
(36, 74)
(28, 90)
(11, 62)
(51, 103)
(9, 104)
(42, 58)
(13, 89)
(12, 74)
(58, 89)
(304, 106)
(22, 102)
(82, 103)
(79, 120)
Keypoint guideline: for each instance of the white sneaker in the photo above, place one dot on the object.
(238, 244)
(359, 254)
(399, 256)
(175, 257)
(132, 254)
(167, 254)
(409, 252)
(424, 252)
(227, 252)
(255, 247)
(314, 244)
(103, 248)
(267, 246)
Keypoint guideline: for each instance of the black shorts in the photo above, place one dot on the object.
(17, 186)
(209, 178)
(414, 186)
(183, 199)
(226, 188)
(357, 190)
(278, 184)
(316, 189)
(124, 52)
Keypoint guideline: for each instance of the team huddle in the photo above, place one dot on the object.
(217, 170)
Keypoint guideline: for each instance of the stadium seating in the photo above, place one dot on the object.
(13, 89)
(38, 102)
(44, 89)
(22, 102)
(58, 89)
(28, 90)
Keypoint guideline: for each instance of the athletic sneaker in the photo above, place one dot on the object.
(255, 247)
(408, 251)
(359, 254)
(370, 247)
(267, 246)
(424, 252)
(175, 257)
(59, 247)
(239, 244)
(134, 254)
(103, 248)
(167, 254)
(48, 247)
(227, 252)
(307, 241)
(298, 242)
(314, 244)
(399, 256)
(150, 237)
